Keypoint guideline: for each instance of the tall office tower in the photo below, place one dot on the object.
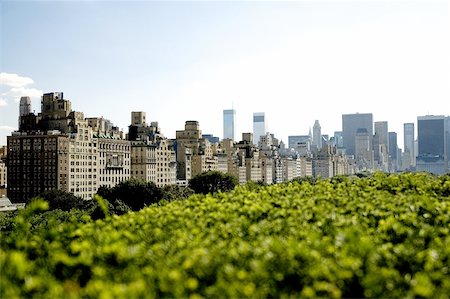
(317, 135)
(393, 151)
(338, 139)
(408, 146)
(259, 126)
(432, 144)
(138, 118)
(229, 129)
(381, 145)
(350, 125)
(25, 106)
(363, 149)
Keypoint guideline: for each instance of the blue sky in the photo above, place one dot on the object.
(297, 61)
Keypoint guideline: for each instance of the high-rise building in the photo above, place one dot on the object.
(25, 106)
(351, 123)
(363, 149)
(408, 146)
(229, 128)
(59, 149)
(317, 135)
(259, 126)
(381, 145)
(393, 152)
(432, 144)
(338, 140)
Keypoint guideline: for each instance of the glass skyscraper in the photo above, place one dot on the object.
(229, 128)
(259, 126)
(351, 123)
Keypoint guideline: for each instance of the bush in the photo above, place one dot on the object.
(213, 181)
(58, 199)
(133, 193)
(175, 192)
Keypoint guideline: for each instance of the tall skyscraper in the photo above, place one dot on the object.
(259, 126)
(317, 135)
(25, 106)
(363, 149)
(408, 144)
(393, 151)
(432, 144)
(381, 145)
(350, 125)
(229, 129)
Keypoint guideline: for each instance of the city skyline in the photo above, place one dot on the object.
(296, 61)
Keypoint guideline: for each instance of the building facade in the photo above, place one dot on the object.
(351, 123)
(432, 153)
(229, 125)
(259, 126)
(58, 149)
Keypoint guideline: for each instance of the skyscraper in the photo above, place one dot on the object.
(393, 151)
(432, 144)
(350, 125)
(229, 129)
(259, 126)
(25, 106)
(408, 143)
(317, 135)
(381, 145)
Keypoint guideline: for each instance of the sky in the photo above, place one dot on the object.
(297, 61)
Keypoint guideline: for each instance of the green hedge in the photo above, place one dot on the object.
(383, 236)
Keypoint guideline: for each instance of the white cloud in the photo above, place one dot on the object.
(3, 102)
(14, 80)
(7, 128)
(13, 87)
(17, 92)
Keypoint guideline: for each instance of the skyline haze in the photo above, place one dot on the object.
(297, 61)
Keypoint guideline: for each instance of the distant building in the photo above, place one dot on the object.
(213, 139)
(192, 147)
(153, 156)
(229, 126)
(432, 144)
(317, 135)
(393, 152)
(351, 123)
(381, 146)
(363, 150)
(259, 126)
(338, 140)
(408, 146)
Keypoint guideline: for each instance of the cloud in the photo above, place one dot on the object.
(17, 92)
(7, 128)
(14, 80)
(3, 102)
(14, 86)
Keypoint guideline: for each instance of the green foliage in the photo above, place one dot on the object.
(58, 199)
(212, 182)
(133, 193)
(175, 192)
(380, 236)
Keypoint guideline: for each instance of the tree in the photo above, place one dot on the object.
(135, 194)
(58, 199)
(174, 192)
(212, 181)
